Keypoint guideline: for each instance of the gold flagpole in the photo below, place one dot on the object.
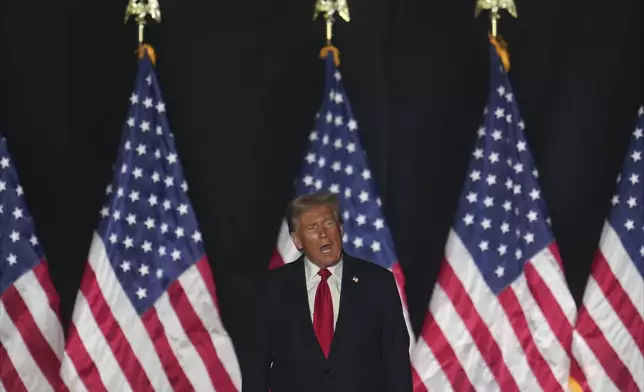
(495, 7)
(141, 10)
(329, 8)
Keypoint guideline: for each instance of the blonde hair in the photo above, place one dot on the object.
(303, 203)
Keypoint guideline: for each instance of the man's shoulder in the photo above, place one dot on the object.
(369, 268)
(378, 280)
(285, 271)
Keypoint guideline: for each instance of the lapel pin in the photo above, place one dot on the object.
(355, 279)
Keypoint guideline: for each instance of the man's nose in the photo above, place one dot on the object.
(323, 233)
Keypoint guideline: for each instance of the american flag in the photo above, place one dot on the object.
(609, 336)
(501, 315)
(31, 336)
(336, 162)
(146, 317)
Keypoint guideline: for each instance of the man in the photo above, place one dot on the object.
(327, 322)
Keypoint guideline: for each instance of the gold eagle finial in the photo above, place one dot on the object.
(330, 7)
(141, 10)
(495, 6)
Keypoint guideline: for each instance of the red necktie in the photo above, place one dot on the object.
(323, 313)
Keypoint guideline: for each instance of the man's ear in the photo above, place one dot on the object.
(296, 241)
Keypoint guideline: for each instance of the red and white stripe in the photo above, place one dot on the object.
(31, 336)
(179, 344)
(609, 336)
(518, 340)
(286, 252)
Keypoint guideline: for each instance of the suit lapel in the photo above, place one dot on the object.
(347, 294)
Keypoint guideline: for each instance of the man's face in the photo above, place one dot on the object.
(319, 236)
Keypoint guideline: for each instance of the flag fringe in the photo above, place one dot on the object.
(149, 50)
(502, 49)
(336, 53)
(574, 385)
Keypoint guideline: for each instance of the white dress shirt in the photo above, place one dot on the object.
(334, 282)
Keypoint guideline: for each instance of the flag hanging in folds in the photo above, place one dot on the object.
(608, 342)
(501, 314)
(31, 336)
(336, 162)
(146, 316)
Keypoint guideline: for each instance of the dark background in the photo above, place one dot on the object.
(242, 82)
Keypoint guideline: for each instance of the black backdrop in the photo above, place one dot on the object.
(242, 81)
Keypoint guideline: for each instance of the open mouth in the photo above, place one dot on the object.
(326, 249)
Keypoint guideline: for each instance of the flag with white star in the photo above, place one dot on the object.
(336, 162)
(609, 335)
(31, 336)
(501, 314)
(146, 316)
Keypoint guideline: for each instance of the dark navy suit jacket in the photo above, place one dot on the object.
(369, 351)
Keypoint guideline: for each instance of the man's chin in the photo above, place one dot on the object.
(325, 260)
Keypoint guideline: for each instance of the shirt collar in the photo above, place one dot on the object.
(312, 269)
